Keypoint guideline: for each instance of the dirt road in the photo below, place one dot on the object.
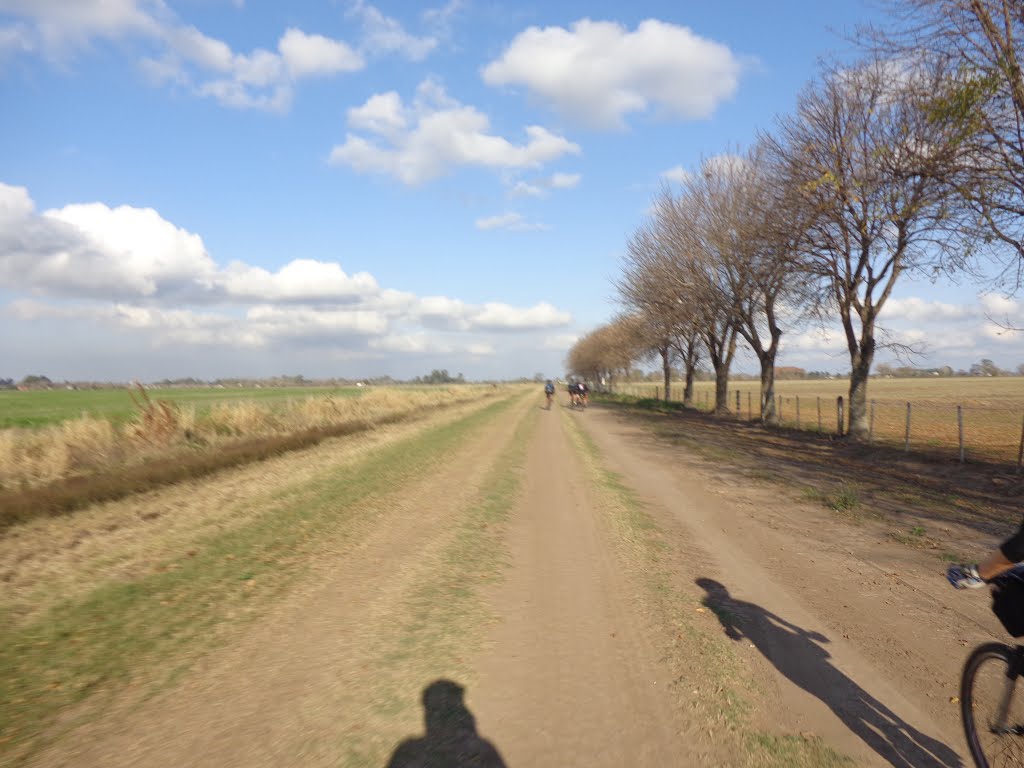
(498, 598)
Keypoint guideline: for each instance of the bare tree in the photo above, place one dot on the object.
(865, 153)
(694, 238)
(752, 234)
(978, 44)
(643, 288)
(607, 350)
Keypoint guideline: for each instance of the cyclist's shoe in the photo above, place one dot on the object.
(964, 576)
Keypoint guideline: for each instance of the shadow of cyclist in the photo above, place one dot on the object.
(798, 655)
(451, 739)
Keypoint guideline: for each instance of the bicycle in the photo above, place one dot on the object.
(991, 707)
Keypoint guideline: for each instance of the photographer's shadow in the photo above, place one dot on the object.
(451, 739)
(799, 655)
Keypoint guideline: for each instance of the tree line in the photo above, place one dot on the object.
(907, 161)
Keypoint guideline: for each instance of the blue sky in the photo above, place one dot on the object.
(216, 188)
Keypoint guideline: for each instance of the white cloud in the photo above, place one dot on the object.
(57, 28)
(131, 270)
(513, 221)
(419, 343)
(315, 321)
(480, 350)
(183, 55)
(522, 189)
(303, 280)
(440, 19)
(999, 305)
(433, 134)
(162, 325)
(383, 34)
(564, 180)
(95, 250)
(543, 187)
(677, 174)
(913, 308)
(306, 55)
(561, 342)
(261, 79)
(452, 314)
(499, 316)
(14, 39)
(598, 72)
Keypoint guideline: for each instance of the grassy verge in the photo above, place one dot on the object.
(43, 407)
(197, 458)
(442, 619)
(707, 674)
(89, 648)
(857, 483)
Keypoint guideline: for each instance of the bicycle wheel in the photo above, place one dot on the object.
(991, 706)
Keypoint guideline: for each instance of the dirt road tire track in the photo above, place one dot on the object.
(572, 676)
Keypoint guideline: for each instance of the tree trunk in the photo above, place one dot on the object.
(722, 364)
(666, 368)
(722, 390)
(768, 412)
(860, 368)
(688, 387)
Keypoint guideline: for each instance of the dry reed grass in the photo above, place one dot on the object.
(59, 467)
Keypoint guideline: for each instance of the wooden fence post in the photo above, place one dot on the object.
(819, 412)
(839, 415)
(657, 392)
(739, 411)
(871, 424)
(906, 438)
(960, 429)
(750, 408)
(1020, 453)
(779, 414)
(798, 411)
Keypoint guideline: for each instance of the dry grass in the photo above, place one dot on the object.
(992, 410)
(64, 466)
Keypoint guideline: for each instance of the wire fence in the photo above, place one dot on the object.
(964, 431)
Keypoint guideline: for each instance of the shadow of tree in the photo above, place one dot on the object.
(451, 740)
(971, 495)
(800, 656)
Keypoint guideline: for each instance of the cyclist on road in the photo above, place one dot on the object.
(574, 393)
(549, 391)
(1008, 555)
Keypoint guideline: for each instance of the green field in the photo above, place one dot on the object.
(39, 408)
(992, 409)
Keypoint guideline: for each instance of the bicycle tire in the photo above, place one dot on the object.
(989, 752)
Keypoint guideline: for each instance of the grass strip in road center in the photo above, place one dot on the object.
(706, 673)
(125, 630)
(441, 622)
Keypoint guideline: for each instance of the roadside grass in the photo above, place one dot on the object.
(443, 619)
(84, 461)
(844, 498)
(81, 652)
(858, 483)
(708, 678)
(44, 407)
